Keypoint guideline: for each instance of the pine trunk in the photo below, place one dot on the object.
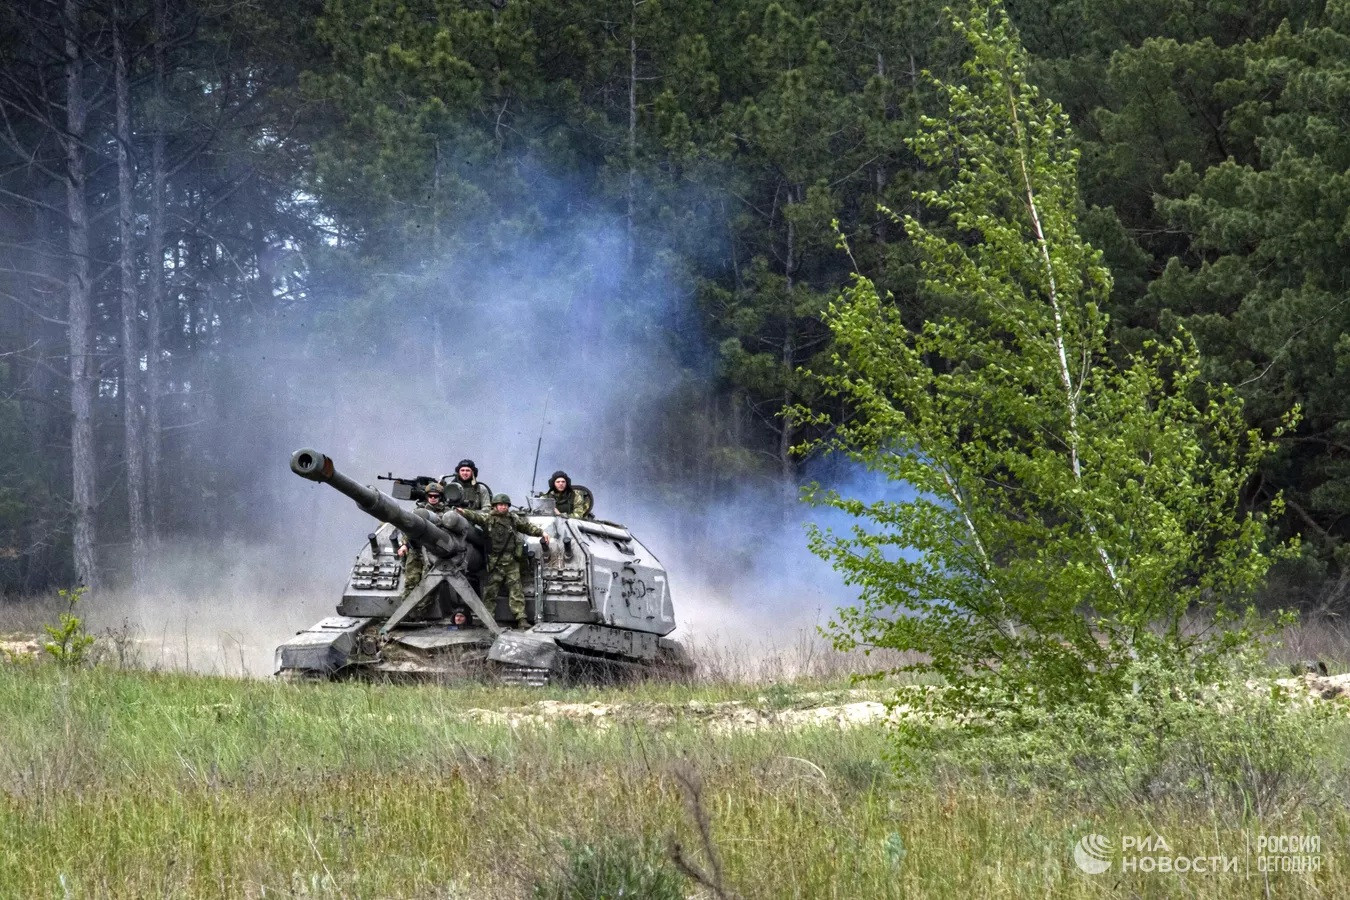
(133, 434)
(154, 386)
(787, 469)
(880, 175)
(632, 130)
(83, 367)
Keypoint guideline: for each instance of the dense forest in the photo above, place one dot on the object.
(438, 196)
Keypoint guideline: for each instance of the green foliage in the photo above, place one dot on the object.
(1214, 161)
(818, 97)
(1068, 511)
(1248, 748)
(1264, 286)
(69, 641)
(610, 870)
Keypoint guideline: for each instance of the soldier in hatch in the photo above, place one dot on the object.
(504, 553)
(568, 500)
(476, 494)
(414, 557)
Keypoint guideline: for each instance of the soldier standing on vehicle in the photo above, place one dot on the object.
(476, 494)
(504, 553)
(414, 557)
(569, 501)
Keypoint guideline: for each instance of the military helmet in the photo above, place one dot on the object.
(434, 487)
(501, 498)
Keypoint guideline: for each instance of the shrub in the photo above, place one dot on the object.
(69, 641)
(611, 869)
(1245, 747)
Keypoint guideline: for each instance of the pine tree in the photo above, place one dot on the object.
(1264, 283)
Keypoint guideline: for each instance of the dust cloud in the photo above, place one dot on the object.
(411, 371)
(218, 609)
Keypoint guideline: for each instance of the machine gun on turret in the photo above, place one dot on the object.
(414, 488)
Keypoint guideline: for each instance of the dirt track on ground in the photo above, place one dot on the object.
(840, 709)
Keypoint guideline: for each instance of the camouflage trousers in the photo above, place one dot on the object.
(505, 573)
(414, 567)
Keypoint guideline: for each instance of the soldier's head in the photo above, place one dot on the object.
(460, 617)
(560, 481)
(435, 494)
(466, 471)
(500, 503)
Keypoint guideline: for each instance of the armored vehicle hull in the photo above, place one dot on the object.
(598, 600)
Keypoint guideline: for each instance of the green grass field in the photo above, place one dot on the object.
(138, 784)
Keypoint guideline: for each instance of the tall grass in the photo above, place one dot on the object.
(1321, 638)
(133, 784)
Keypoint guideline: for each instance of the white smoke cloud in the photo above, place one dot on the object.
(457, 358)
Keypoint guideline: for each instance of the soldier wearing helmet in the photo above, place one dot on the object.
(570, 501)
(476, 494)
(505, 552)
(414, 557)
(435, 494)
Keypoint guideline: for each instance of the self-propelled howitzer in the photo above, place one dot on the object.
(598, 600)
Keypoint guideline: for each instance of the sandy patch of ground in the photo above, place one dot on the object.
(18, 648)
(835, 709)
(838, 709)
(1318, 687)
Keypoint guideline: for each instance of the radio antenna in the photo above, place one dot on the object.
(539, 446)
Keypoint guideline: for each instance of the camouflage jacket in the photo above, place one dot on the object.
(500, 530)
(571, 502)
(476, 494)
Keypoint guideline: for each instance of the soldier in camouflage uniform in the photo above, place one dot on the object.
(476, 494)
(568, 500)
(504, 553)
(414, 557)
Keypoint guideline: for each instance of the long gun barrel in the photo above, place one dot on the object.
(438, 541)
